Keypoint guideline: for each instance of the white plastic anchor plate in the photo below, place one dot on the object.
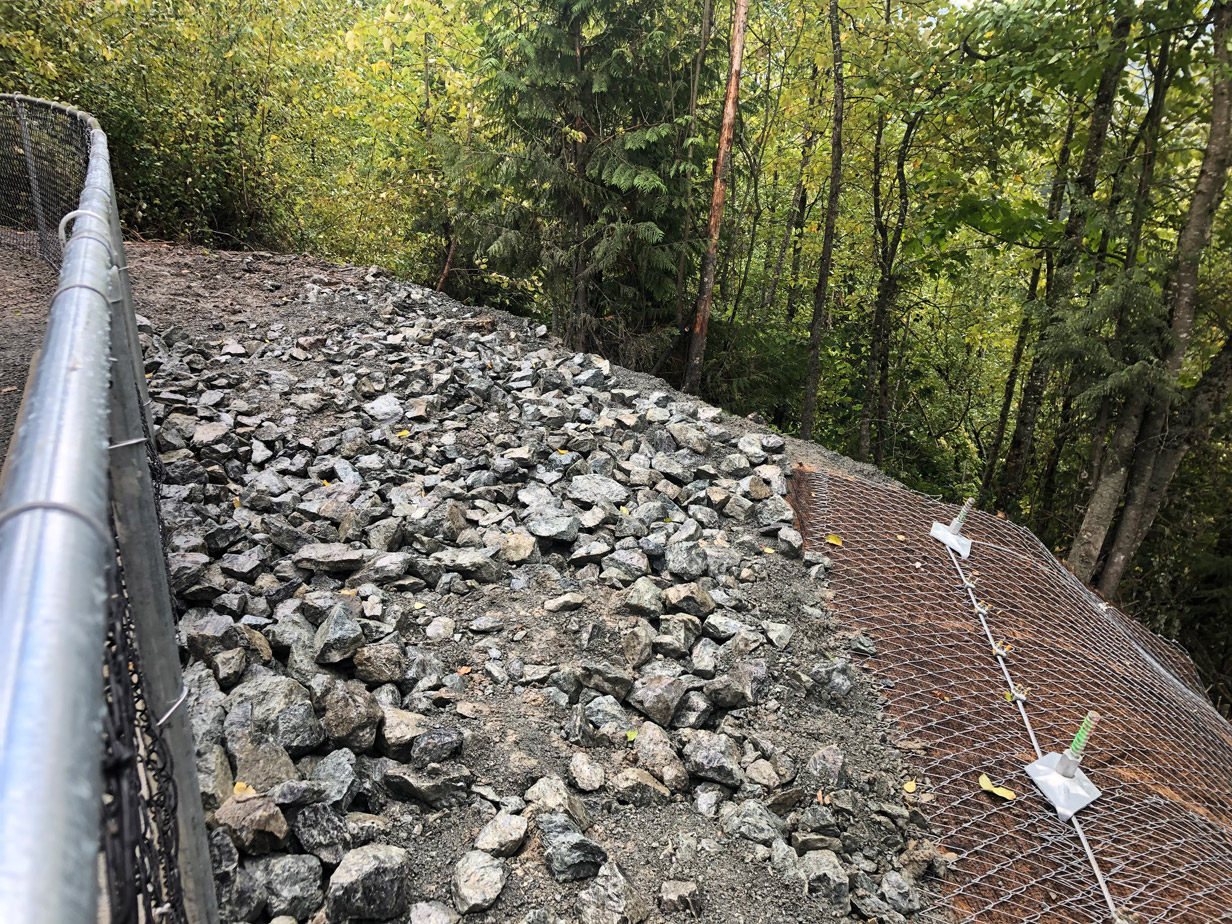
(956, 541)
(1067, 796)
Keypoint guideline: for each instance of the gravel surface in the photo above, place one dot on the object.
(26, 285)
(474, 625)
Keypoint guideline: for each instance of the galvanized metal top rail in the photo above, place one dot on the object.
(77, 497)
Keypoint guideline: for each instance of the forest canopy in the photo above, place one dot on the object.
(982, 245)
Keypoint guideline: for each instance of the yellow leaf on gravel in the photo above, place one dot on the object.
(402, 433)
(909, 786)
(832, 539)
(986, 785)
(243, 789)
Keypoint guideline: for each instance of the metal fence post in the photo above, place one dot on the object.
(36, 196)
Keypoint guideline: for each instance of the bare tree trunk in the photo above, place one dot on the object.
(1021, 442)
(1205, 399)
(722, 167)
(796, 248)
(694, 83)
(797, 198)
(812, 378)
(1055, 197)
(453, 245)
(1180, 297)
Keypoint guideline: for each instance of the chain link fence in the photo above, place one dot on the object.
(1160, 835)
(91, 734)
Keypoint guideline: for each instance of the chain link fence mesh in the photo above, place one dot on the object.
(44, 152)
(44, 155)
(1162, 754)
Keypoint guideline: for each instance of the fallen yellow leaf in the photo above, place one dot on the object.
(243, 789)
(986, 785)
(832, 539)
(909, 786)
(402, 433)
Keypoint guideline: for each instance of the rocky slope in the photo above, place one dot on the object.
(476, 626)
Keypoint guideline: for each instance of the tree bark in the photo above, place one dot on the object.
(797, 198)
(1019, 455)
(1180, 297)
(1055, 197)
(694, 84)
(722, 167)
(812, 378)
(1204, 401)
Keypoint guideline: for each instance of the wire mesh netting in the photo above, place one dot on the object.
(44, 153)
(1162, 755)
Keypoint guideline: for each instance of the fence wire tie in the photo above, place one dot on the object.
(13, 512)
(174, 706)
(81, 285)
(81, 213)
(133, 442)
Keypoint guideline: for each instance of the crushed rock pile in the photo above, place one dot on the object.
(473, 626)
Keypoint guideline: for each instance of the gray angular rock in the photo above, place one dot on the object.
(655, 752)
(338, 637)
(292, 884)
(569, 854)
(585, 774)
(611, 899)
(439, 785)
(478, 879)
(824, 875)
(435, 746)
(351, 714)
(754, 822)
(689, 598)
(899, 893)
(680, 895)
(550, 796)
(502, 836)
(596, 489)
(322, 831)
(369, 883)
(714, 757)
(332, 557)
(635, 786)
(606, 678)
(657, 697)
(254, 822)
(280, 709)
(433, 913)
(644, 598)
(471, 563)
(555, 528)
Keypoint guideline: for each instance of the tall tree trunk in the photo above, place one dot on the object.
(797, 248)
(1193, 426)
(797, 198)
(1150, 136)
(1180, 297)
(694, 85)
(722, 167)
(812, 377)
(1070, 251)
(889, 289)
(1055, 197)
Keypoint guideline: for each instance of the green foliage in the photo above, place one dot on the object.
(550, 156)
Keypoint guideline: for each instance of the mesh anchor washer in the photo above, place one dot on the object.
(952, 535)
(1059, 777)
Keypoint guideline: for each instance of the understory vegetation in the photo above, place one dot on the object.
(984, 246)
